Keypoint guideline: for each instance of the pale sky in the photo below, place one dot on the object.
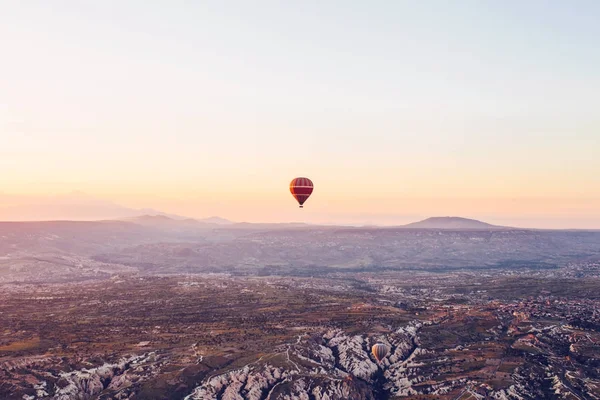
(395, 109)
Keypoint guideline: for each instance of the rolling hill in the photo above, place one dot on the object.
(451, 223)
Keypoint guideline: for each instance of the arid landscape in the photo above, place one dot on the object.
(155, 308)
(299, 200)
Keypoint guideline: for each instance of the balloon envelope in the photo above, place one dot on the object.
(379, 350)
(301, 189)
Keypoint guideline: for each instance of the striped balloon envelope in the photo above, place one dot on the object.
(301, 189)
(379, 350)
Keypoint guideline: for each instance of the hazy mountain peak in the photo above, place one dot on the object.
(450, 223)
(216, 220)
(168, 219)
(148, 217)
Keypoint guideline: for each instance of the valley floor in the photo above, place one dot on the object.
(455, 336)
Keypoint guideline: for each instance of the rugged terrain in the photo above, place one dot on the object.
(165, 309)
(76, 251)
(217, 337)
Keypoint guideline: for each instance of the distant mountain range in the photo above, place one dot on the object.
(216, 220)
(78, 206)
(448, 223)
(158, 219)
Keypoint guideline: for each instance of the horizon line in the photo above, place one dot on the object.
(297, 224)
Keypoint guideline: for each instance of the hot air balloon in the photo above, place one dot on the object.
(301, 189)
(379, 350)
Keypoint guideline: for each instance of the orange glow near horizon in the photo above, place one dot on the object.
(325, 207)
(217, 116)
